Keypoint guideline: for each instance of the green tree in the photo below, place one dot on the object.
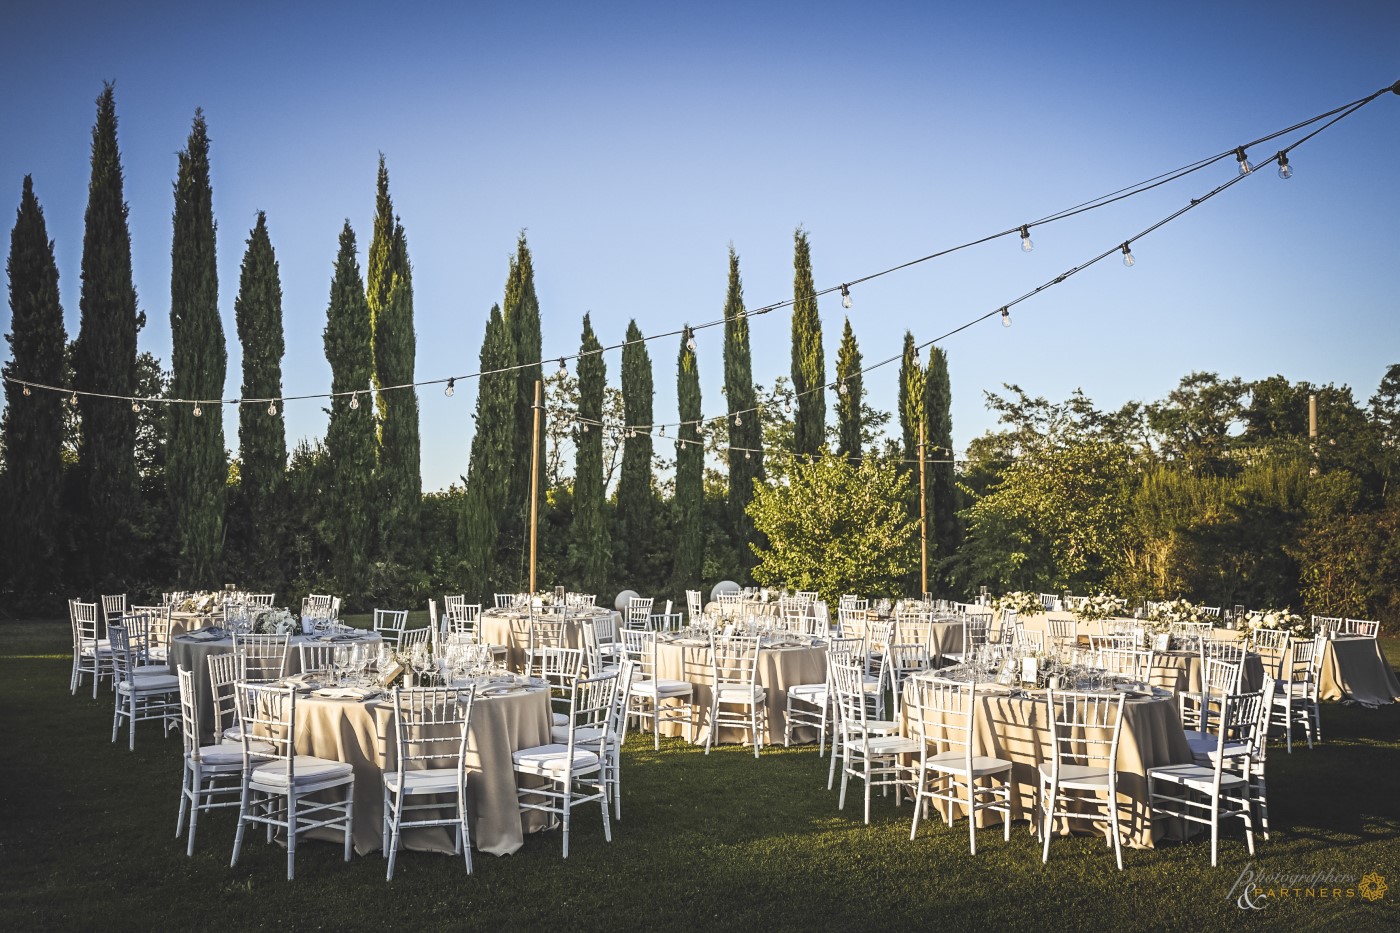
(33, 428)
(835, 527)
(492, 459)
(350, 435)
(636, 514)
(911, 397)
(590, 552)
(849, 394)
(1195, 420)
(808, 357)
(104, 361)
(744, 426)
(521, 310)
(262, 433)
(942, 491)
(688, 569)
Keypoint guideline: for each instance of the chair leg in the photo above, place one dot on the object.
(196, 786)
(1113, 825)
(242, 824)
(971, 818)
(291, 836)
(349, 820)
(1048, 808)
(184, 799)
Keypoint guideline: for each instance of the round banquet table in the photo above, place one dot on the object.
(1354, 669)
(688, 659)
(193, 649)
(1180, 671)
(510, 628)
(360, 734)
(1016, 729)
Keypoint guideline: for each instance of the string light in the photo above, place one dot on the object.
(272, 408)
(26, 391)
(1245, 167)
(451, 387)
(841, 388)
(563, 370)
(738, 420)
(689, 339)
(1285, 171)
(1005, 318)
(747, 455)
(662, 432)
(845, 296)
(1026, 244)
(787, 405)
(73, 400)
(135, 405)
(1128, 259)
(354, 400)
(197, 410)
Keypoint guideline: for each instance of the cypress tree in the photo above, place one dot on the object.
(492, 460)
(911, 399)
(389, 293)
(808, 357)
(745, 430)
(590, 551)
(350, 435)
(262, 433)
(636, 494)
(689, 500)
(198, 464)
(32, 428)
(104, 360)
(849, 393)
(521, 310)
(942, 506)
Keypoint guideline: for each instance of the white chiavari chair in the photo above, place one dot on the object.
(737, 698)
(91, 655)
(651, 697)
(211, 774)
(1085, 730)
(867, 751)
(141, 696)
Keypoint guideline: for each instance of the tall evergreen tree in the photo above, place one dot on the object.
(590, 551)
(690, 474)
(104, 361)
(521, 310)
(911, 398)
(808, 357)
(32, 429)
(389, 292)
(942, 504)
(262, 433)
(198, 464)
(850, 390)
(745, 430)
(492, 460)
(636, 494)
(350, 436)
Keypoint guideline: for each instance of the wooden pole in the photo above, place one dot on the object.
(535, 486)
(923, 516)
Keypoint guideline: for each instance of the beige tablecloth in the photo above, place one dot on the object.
(1016, 729)
(1181, 671)
(359, 733)
(1353, 668)
(510, 628)
(778, 669)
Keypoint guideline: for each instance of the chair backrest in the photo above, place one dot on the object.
(1063, 630)
(1231, 652)
(268, 716)
(1084, 729)
(189, 715)
(262, 658)
(1362, 627)
(390, 623)
(640, 648)
(1047, 601)
(1210, 612)
(878, 635)
(907, 660)
(1271, 645)
(1127, 662)
(974, 633)
(639, 612)
(592, 709)
(113, 606)
(945, 714)
(556, 666)
(846, 676)
(157, 624)
(810, 596)
(734, 660)
(430, 728)
(505, 600)
(415, 639)
(84, 616)
(223, 674)
(1303, 663)
(448, 602)
(729, 598)
(1242, 720)
(125, 657)
(1029, 641)
(261, 600)
(694, 605)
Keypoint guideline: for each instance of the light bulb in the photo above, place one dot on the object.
(1245, 167)
(1005, 318)
(585, 427)
(26, 391)
(197, 410)
(73, 399)
(272, 408)
(738, 420)
(451, 387)
(1128, 259)
(563, 370)
(690, 340)
(747, 455)
(1026, 244)
(1285, 171)
(842, 388)
(662, 431)
(354, 400)
(845, 296)
(787, 405)
(135, 405)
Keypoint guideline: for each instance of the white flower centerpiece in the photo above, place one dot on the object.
(1019, 602)
(1102, 606)
(273, 622)
(1295, 625)
(204, 602)
(1163, 616)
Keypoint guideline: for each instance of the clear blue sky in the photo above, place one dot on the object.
(635, 142)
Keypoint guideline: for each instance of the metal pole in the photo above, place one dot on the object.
(923, 515)
(535, 486)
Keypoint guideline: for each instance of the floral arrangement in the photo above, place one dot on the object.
(1019, 602)
(1164, 615)
(203, 602)
(1292, 623)
(274, 622)
(1102, 606)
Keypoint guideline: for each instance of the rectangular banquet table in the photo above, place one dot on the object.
(688, 659)
(1015, 728)
(360, 734)
(1353, 668)
(510, 628)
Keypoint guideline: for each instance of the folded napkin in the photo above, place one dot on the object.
(203, 635)
(348, 693)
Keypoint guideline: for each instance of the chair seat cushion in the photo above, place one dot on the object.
(553, 759)
(1078, 776)
(308, 770)
(584, 735)
(1197, 777)
(1204, 745)
(883, 745)
(150, 683)
(956, 763)
(737, 693)
(425, 781)
(665, 688)
(560, 719)
(227, 757)
(810, 693)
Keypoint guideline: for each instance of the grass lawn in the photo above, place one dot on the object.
(718, 842)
